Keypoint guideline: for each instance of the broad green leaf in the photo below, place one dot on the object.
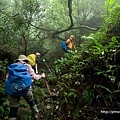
(105, 88)
(98, 44)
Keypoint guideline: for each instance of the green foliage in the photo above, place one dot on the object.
(113, 13)
(4, 104)
(87, 77)
(3, 70)
(4, 109)
(69, 70)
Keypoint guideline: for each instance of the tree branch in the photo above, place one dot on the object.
(70, 13)
(87, 27)
(40, 28)
(82, 26)
(72, 24)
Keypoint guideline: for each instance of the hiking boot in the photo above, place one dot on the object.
(35, 112)
(36, 117)
(13, 113)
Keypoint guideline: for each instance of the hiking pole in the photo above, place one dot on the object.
(47, 66)
(47, 86)
(43, 60)
(45, 78)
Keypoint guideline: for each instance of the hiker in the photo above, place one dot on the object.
(33, 59)
(70, 43)
(28, 96)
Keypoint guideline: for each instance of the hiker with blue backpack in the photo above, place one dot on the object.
(19, 83)
(69, 45)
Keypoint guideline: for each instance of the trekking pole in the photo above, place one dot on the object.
(45, 78)
(43, 60)
(47, 66)
(47, 86)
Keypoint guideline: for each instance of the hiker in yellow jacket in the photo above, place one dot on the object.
(70, 43)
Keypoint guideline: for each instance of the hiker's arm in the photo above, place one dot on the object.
(7, 76)
(68, 41)
(35, 76)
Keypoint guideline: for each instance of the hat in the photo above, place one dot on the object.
(72, 36)
(23, 58)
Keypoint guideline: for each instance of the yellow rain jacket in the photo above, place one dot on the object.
(32, 59)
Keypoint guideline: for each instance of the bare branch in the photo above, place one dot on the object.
(71, 24)
(82, 26)
(40, 28)
(87, 27)
(70, 13)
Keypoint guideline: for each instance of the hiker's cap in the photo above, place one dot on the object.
(23, 58)
(72, 36)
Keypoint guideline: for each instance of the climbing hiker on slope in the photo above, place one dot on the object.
(68, 45)
(19, 84)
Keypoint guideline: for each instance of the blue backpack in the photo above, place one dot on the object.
(64, 46)
(19, 80)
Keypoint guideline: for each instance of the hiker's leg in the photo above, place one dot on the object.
(14, 104)
(29, 99)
